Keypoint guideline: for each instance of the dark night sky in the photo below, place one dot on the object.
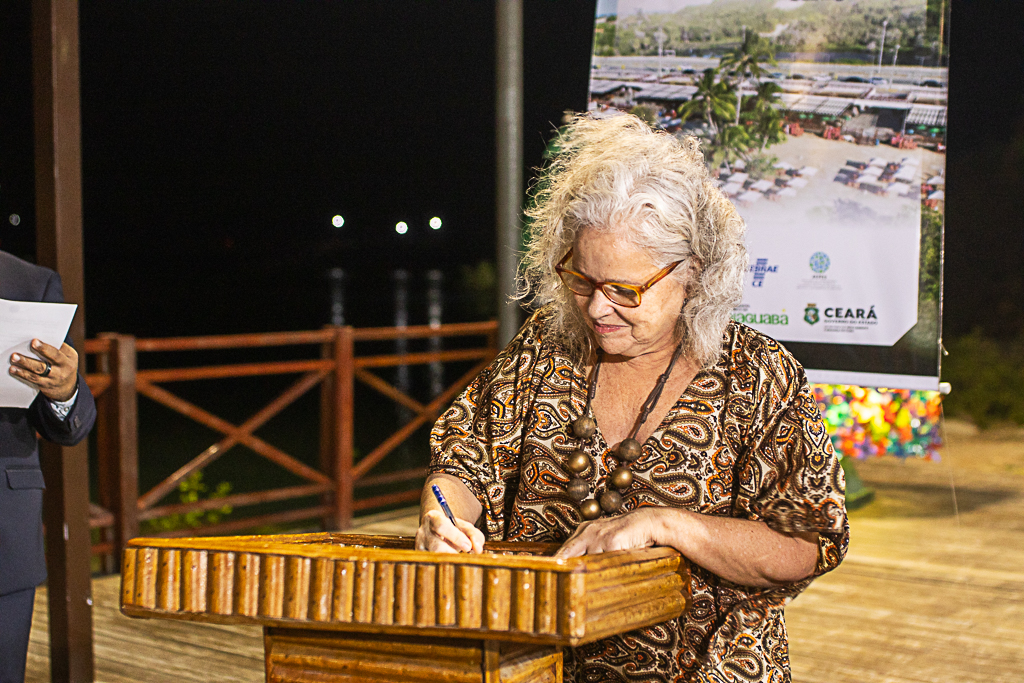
(219, 137)
(984, 265)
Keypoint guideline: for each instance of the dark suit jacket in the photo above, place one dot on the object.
(22, 564)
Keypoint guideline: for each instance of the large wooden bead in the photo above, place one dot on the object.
(584, 427)
(578, 489)
(590, 509)
(578, 462)
(611, 501)
(620, 478)
(628, 451)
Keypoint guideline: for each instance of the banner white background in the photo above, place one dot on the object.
(834, 219)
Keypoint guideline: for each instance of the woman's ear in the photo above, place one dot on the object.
(694, 269)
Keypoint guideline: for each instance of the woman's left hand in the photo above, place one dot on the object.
(59, 382)
(625, 532)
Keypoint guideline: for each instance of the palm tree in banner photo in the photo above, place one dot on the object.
(713, 102)
(765, 98)
(732, 144)
(766, 129)
(745, 62)
(762, 118)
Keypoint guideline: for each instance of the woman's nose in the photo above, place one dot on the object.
(599, 305)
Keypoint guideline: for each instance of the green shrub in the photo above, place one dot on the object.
(648, 113)
(762, 166)
(987, 377)
(192, 490)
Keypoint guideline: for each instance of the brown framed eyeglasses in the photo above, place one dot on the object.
(617, 292)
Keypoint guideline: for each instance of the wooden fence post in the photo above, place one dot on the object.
(122, 425)
(328, 461)
(106, 454)
(344, 425)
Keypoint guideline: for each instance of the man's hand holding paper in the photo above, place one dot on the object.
(55, 374)
(32, 335)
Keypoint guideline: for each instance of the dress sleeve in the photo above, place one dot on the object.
(791, 478)
(478, 439)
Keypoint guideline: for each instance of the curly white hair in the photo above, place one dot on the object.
(653, 190)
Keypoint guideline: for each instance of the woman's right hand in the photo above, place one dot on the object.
(437, 534)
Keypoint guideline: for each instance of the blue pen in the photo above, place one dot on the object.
(444, 504)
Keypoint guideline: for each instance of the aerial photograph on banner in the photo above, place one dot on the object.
(825, 124)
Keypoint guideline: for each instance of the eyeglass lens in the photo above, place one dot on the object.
(583, 287)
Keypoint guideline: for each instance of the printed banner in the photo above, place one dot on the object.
(824, 122)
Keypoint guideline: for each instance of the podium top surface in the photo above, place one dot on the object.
(380, 584)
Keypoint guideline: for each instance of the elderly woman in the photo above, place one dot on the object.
(631, 411)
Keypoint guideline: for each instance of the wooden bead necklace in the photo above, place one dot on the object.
(621, 478)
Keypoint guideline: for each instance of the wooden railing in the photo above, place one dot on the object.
(117, 382)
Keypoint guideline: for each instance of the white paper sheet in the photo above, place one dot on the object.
(20, 323)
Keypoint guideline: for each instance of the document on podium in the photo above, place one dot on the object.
(20, 323)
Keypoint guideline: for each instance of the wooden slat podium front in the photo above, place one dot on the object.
(346, 608)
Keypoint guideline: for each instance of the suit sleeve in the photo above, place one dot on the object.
(80, 419)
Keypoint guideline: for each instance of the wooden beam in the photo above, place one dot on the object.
(58, 162)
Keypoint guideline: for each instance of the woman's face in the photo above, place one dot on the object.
(622, 331)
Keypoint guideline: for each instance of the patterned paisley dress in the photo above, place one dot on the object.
(744, 440)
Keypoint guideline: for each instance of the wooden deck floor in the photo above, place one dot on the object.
(932, 589)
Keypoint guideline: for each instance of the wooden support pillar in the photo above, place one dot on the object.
(68, 554)
(509, 172)
(311, 656)
(58, 162)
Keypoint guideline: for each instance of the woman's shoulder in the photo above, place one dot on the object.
(539, 331)
(537, 323)
(755, 352)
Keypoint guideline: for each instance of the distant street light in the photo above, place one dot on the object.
(401, 227)
(660, 36)
(895, 54)
(435, 223)
(337, 221)
(885, 23)
(336, 277)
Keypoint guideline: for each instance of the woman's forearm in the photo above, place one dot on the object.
(461, 500)
(436, 532)
(739, 550)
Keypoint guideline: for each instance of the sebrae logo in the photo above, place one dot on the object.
(760, 269)
(811, 314)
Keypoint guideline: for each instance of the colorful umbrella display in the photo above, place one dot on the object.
(868, 422)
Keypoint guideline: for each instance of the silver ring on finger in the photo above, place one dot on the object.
(46, 370)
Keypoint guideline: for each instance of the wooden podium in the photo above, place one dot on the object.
(345, 608)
